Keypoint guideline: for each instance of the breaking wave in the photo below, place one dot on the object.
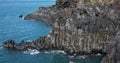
(32, 51)
(55, 51)
(98, 54)
(79, 57)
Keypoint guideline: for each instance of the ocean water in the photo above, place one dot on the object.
(13, 27)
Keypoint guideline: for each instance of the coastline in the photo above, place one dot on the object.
(75, 30)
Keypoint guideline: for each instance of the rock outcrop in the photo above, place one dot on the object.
(78, 28)
(113, 50)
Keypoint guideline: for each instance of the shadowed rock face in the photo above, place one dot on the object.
(78, 29)
(113, 55)
(66, 3)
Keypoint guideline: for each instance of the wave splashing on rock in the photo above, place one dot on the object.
(55, 51)
(32, 51)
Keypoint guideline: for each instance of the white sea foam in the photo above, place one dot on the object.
(71, 56)
(98, 54)
(48, 35)
(32, 51)
(55, 51)
(47, 52)
(82, 57)
(78, 57)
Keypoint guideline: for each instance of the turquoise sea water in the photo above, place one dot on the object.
(12, 27)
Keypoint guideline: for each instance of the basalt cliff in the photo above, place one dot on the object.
(79, 27)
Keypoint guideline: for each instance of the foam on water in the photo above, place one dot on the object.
(79, 57)
(32, 51)
(55, 52)
(71, 56)
(98, 54)
(82, 57)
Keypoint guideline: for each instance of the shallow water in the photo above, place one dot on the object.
(12, 27)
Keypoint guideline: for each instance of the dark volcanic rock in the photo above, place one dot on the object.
(66, 3)
(9, 44)
(113, 50)
(21, 16)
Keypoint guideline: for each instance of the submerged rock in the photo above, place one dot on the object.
(21, 16)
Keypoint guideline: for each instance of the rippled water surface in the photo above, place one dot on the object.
(12, 27)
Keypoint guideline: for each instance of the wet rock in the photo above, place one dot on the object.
(28, 18)
(9, 44)
(21, 16)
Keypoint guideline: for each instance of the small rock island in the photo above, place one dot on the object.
(79, 27)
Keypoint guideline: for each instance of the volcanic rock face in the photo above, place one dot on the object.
(66, 3)
(113, 50)
(79, 28)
